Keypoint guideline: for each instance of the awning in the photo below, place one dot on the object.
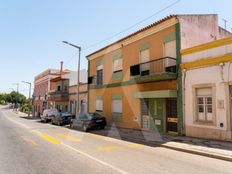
(156, 94)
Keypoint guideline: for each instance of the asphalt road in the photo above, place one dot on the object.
(31, 147)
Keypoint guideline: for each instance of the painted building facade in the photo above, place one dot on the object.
(135, 81)
(64, 96)
(42, 87)
(207, 90)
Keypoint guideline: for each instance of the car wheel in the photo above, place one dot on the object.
(84, 127)
(102, 127)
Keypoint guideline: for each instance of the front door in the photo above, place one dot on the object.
(156, 114)
(171, 116)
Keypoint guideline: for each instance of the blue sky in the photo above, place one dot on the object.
(31, 31)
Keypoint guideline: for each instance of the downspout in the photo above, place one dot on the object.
(183, 99)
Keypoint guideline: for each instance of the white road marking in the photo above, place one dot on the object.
(72, 148)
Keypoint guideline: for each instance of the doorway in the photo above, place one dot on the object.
(171, 116)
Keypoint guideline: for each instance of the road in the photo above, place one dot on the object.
(31, 147)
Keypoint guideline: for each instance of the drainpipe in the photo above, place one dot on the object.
(183, 98)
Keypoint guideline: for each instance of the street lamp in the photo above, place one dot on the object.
(29, 97)
(29, 83)
(78, 74)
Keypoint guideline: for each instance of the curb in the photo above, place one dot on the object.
(195, 152)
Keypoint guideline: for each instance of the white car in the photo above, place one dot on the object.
(48, 114)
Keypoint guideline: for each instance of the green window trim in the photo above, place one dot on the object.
(117, 75)
(99, 62)
(144, 46)
(169, 37)
(156, 94)
(116, 96)
(99, 97)
(117, 117)
(117, 56)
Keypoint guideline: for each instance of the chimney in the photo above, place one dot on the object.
(61, 68)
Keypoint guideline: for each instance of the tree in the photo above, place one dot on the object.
(15, 98)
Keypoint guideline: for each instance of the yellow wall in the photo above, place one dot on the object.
(131, 53)
(130, 105)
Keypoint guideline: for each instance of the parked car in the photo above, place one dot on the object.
(48, 114)
(89, 121)
(62, 118)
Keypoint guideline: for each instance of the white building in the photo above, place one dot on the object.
(207, 90)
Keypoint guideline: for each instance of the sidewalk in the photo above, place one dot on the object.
(209, 148)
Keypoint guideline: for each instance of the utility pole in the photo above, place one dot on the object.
(78, 75)
(29, 96)
(17, 84)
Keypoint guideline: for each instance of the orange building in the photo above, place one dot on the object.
(135, 82)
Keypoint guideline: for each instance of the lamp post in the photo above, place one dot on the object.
(78, 74)
(29, 96)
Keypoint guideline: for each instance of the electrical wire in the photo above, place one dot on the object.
(132, 26)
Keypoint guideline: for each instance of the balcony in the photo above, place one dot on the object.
(59, 96)
(155, 70)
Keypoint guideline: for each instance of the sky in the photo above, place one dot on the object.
(32, 31)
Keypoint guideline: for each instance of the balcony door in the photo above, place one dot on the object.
(170, 51)
(145, 57)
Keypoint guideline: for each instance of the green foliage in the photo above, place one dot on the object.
(13, 97)
(26, 107)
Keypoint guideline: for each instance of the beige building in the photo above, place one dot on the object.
(207, 90)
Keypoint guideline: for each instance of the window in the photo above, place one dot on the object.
(170, 51)
(144, 106)
(116, 103)
(99, 105)
(117, 65)
(99, 75)
(58, 88)
(204, 104)
(145, 57)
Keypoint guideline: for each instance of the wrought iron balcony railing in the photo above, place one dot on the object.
(158, 66)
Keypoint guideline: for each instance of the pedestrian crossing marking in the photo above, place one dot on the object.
(108, 148)
(49, 138)
(68, 137)
(135, 145)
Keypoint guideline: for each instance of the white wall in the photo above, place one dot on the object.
(72, 76)
(198, 29)
(208, 75)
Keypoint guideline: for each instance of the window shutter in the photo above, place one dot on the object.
(99, 105)
(117, 106)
